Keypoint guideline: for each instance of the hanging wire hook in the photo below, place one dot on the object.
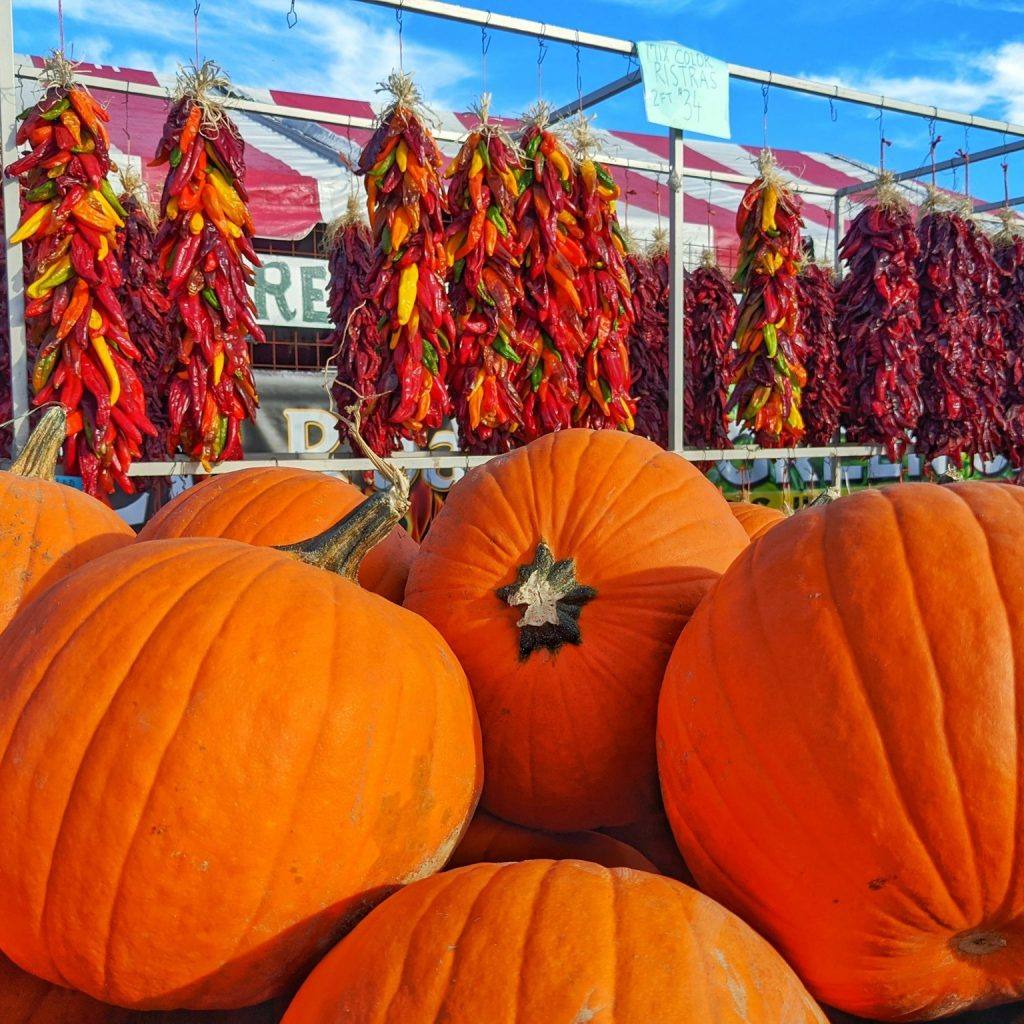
(399, 16)
(127, 119)
(765, 87)
(832, 112)
(195, 22)
(579, 71)
(60, 23)
(485, 45)
(292, 17)
(710, 183)
(542, 52)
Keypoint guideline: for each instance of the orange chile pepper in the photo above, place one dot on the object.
(191, 129)
(75, 309)
(490, 237)
(70, 120)
(476, 227)
(476, 183)
(475, 399)
(565, 287)
(38, 136)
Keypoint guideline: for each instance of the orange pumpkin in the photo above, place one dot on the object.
(48, 530)
(652, 836)
(276, 506)
(839, 742)
(756, 519)
(546, 940)
(213, 758)
(561, 575)
(491, 840)
(26, 999)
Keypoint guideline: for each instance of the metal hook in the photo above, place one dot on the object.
(292, 17)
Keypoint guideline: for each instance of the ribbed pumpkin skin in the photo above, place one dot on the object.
(26, 999)
(569, 736)
(47, 531)
(552, 942)
(276, 506)
(839, 746)
(491, 840)
(211, 757)
(756, 519)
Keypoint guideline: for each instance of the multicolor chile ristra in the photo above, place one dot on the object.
(407, 207)
(879, 323)
(84, 355)
(205, 251)
(768, 363)
(146, 309)
(989, 436)
(603, 287)
(822, 401)
(358, 345)
(648, 343)
(550, 324)
(945, 269)
(709, 323)
(6, 405)
(485, 255)
(1009, 257)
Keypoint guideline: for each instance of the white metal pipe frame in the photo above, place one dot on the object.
(674, 169)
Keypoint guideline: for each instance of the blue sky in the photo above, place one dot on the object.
(962, 54)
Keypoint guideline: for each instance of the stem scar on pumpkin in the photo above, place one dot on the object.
(553, 599)
(979, 943)
(38, 459)
(342, 547)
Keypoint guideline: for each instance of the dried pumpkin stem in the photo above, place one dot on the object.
(38, 459)
(341, 548)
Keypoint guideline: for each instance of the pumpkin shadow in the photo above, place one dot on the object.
(1012, 1013)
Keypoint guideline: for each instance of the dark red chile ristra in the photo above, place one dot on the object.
(823, 393)
(648, 343)
(879, 324)
(1009, 257)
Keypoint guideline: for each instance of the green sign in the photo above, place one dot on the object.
(685, 88)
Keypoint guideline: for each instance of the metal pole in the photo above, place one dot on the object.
(677, 285)
(12, 214)
(591, 99)
(945, 165)
(987, 207)
(837, 236)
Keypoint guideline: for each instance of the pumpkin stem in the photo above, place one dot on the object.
(553, 599)
(342, 547)
(38, 458)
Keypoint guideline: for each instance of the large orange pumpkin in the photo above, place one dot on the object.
(47, 530)
(552, 941)
(26, 999)
(756, 519)
(276, 506)
(839, 741)
(561, 575)
(213, 758)
(491, 840)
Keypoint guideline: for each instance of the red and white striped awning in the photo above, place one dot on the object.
(297, 177)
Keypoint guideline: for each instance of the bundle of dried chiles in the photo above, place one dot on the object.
(407, 207)
(768, 369)
(710, 316)
(146, 308)
(71, 219)
(603, 287)
(485, 254)
(1009, 257)
(6, 406)
(648, 340)
(945, 270)
(204, 246)
(823, 394)
(550, 323)
(989, 436)
(358, 343)
(879, 323)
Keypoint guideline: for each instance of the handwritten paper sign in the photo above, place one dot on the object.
(685, 88)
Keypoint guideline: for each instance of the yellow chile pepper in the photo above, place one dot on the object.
(100, 198)
(395, 335)
(99, 344)
(32, 224)
(794, 419)
(172, 208)
(407, 293)
(57, 274)
(476, 165)
(195, 224)
(588, 172)
(218, 367)
(561, 165)
(511, 183)
(400, 228)
(95, 320)
(768, 207)
(231, 202)
(402, 156)
(104, 250)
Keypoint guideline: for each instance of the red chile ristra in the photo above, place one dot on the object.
(648, 342)
(769, 374)
(1009, 256)
(407, 206)
(823, 396)
(84, 356)
(550, 322)
(485, 253)
(205, 251)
